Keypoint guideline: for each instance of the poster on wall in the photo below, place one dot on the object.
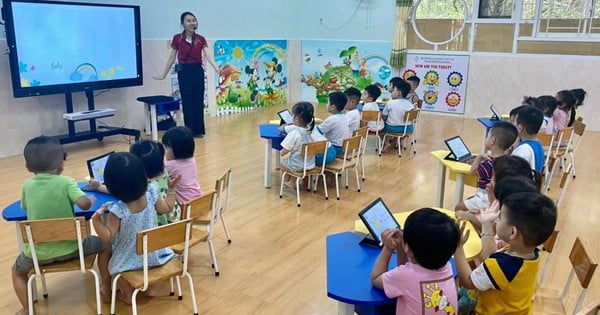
(330, 66)
(252, 74)
(443, 81)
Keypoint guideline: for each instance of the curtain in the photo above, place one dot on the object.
(398, 57)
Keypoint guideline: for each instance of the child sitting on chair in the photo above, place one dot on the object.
(423, 252)
(370, 96)
(393, 112)
(352, 114)
(179, 152)
(579, 95)
(49, 195)
(506, 280)
(500, 137)
(548, 105)
(335, 127)
(566, 103)
(528, 122)
(125, 178)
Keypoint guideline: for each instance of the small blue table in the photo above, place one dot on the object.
(14, 213)
(487, 123)
(157, 105)
(273, 139)
(349, 266)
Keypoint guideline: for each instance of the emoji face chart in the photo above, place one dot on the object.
(443, 81)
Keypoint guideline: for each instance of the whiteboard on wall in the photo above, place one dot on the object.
(443, 86)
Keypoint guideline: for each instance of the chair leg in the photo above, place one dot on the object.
(281, 186)
(225, 228)
(357, 180)
(399, 146)
(171, 290)
(30, 289)
(381, 143)
(211, 248)
(133, 301)
(192, 293)
(572, 163)
(324, 186)
(97, 285)
(44, 290)
(337, 186)
(346, 177)
(179, 293)
(298, 190)
(113, 296)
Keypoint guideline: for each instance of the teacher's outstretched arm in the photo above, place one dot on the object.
(170, 61)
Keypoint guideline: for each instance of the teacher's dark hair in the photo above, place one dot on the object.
(182, 17)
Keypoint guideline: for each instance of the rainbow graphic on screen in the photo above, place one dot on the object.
(84, 72)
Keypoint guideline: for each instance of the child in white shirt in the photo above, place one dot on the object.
(352, 114)
(335, 127)
(370, 95)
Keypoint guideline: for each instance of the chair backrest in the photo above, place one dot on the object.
(313, 148)
(411, 116)
(351, 148)
(550, 242)
(162, 236)
(363, 133)
(562, 139)
(578, 129)
(223, 187)
(546, 139)
(419, 104)
(583, 264)
(52, 230)
(200, 207)
(370, 115)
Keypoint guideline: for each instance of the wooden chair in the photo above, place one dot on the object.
(341, 165)
(410, 117)
(578, 130)
(202, 211)
(418, 106)
(564, 183)
(53, 230)
(548, 247)
(373, 116)
(223, 189)
(363, 133)
(148, 241)
(308, 150)
(583, 267)
(558, 151)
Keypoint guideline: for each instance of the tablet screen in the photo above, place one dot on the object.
(286, 116)
(458, 147)
(96, 166)
(496, 112)
(377, 217)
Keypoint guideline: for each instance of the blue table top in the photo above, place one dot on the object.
(349, 266)
(271, 132)
(13, 212)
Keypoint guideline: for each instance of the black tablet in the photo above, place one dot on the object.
(377, 217)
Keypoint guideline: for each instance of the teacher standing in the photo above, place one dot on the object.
(189, 48)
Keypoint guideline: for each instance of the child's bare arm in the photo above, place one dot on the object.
(165, 204)
(284, 152)
(380, 267)
(478, 159)
(97, 186)
(106, 231)
(462, 266)
(84, 202)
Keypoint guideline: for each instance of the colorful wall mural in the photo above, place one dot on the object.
(329, 66)
(252, 73)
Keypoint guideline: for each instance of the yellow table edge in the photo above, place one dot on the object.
(472, 246)
(455, 167)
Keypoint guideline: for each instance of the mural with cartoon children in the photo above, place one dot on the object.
(253, 74)
(329, 66)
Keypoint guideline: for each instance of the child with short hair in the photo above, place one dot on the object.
(125, 178)
(528, 122)
(423, 252)
(506, 280)
(49, 195)
(548, 104)
(412, 94)
(302, 131)
(393, 112)
(179, 152)
(500, 137)
(352, 114)
(152, 155)
(566, 103)
(370, 96)
(335, 127)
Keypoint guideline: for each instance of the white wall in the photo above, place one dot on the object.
(497, 79)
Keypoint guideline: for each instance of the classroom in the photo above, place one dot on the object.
(276, 262)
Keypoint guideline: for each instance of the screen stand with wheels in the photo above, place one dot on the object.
(369, 241)
(93, 133)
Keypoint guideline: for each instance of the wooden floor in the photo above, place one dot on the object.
(276, 263)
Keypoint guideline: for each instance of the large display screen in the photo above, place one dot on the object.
(59, 47)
